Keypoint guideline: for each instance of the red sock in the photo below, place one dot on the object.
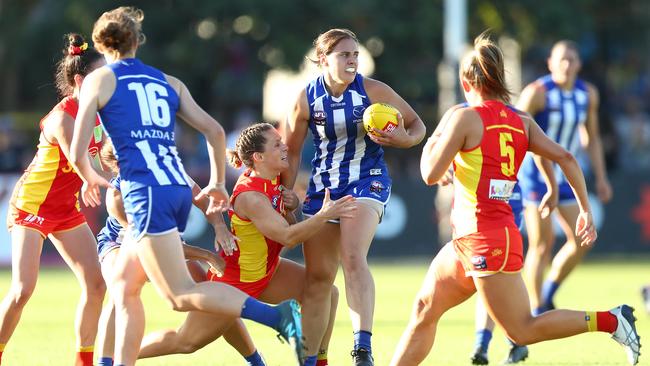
(606, 321)
(322, 362)
(0, 358)
(84, 358)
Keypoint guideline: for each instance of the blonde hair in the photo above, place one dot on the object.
(119, 30)
(326, 42)
(483, 68)
(250, 141)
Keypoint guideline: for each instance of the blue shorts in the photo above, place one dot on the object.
(157, 210)
(372, 188)
(533, 192)
(105, 246)
(517, 206)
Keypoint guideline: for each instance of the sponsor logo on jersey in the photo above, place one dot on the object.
(357, 114)
(375, 171)
(501, 190)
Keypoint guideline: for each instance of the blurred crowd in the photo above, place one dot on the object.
(624, 122)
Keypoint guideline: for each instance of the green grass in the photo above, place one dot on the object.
(45, 335)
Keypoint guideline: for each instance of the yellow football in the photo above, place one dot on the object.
(381, 116)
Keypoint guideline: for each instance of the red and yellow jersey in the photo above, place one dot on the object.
(258, 255)
(49, 188)
(485, 176)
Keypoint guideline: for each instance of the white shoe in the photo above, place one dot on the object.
(626, 334)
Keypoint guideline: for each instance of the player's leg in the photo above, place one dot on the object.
(444, 287)
(321, 254)
(538, 257)
(568, 257)
(484, 327)
(162, 259)
(506, 300)
(356, 236)
(198, 330)
(78, 249)
(25, 260)
(106, 326)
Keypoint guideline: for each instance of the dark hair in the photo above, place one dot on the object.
(77, 60)
(107, 156)
(568, 44)
(119, 30)
(483, 68)
(250, 141)
(326, 42)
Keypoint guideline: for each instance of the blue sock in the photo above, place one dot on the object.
(260, 312)
(105, 361)
(362, 340)
(549, 288)
(483, 338)
(310, 360)
(538, 311)
(253, 360)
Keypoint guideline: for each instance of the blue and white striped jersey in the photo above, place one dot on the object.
(565, 112)
(139, 118)
(344, 154)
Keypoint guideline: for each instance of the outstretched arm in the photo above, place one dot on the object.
(294, 132)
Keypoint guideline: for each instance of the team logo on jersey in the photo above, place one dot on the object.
(357, 114)
(503, 114)
(479, 262)
(497, 252)
(319, 118)
(376, 187)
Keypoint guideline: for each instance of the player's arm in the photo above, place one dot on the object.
(190, 112)
(256, 207)
(223, 237)
(436, 159)
(532, 99)
(594, 145)
(196, 253)
(96, 90)
(294, 132)
(550, 199)
(431, 142)
(115, 206)
(540, 144)
(410, 129)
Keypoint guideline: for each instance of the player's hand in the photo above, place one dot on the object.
(219, 201)
(343, 207)
(217, 264)
(548, 203)
(395, 138)
(585, 229)
(224, 239)
(90, 191)
(290, 199)
(604, 190)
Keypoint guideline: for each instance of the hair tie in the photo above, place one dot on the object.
(77, 50)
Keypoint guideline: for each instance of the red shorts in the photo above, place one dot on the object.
(253, 289)
(492, 251)
(45, 226)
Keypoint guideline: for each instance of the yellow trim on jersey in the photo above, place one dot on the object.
(505, 259)
(467, 175)
(254, 253)
(508, 127)
(36, 186)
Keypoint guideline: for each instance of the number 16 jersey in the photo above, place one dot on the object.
(139, 118)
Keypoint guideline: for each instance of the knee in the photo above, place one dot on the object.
(96, 289)
(520, 338)
(424, 312)
(20, 295)
(320, 281)
(179, 302)
(354, 263)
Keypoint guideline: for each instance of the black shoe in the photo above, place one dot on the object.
(362, 357)
(479, 357)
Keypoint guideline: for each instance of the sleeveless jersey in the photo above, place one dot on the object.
(49, 187)
(344, 153)
(485, 176)
(257, 255)
(564, 113)
(140, 119)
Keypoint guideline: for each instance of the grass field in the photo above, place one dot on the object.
(45, 334)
